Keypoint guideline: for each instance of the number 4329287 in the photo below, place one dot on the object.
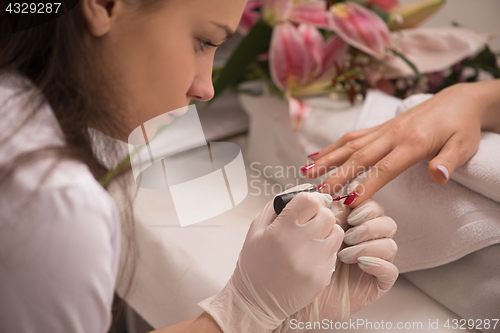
(33, 8)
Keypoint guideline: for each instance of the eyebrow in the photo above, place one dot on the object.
(229, 32)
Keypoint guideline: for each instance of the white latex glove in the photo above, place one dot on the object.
(364, 271)
(285, 263)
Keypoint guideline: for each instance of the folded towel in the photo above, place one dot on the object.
(438, 224)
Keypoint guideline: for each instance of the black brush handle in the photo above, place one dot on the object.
(281, 201)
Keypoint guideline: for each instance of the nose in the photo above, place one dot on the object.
(202, 88)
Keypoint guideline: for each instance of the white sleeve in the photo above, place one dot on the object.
(59, 252)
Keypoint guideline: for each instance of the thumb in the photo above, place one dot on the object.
(456, 151)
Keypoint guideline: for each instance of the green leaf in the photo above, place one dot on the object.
(255, 42)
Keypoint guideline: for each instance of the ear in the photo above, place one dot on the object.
(99, 15)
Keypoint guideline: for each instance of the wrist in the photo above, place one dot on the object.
(233, 313)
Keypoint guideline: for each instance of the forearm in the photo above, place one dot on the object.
(202, 323)
(488, 97)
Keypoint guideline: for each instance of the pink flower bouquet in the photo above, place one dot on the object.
(304, 48)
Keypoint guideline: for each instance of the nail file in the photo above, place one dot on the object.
(282, 200)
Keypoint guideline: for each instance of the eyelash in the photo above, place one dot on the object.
(205, 43)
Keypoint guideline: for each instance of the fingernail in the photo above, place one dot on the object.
(444, 171)
(322, 186)
(358, 215)
(347, 254)
(353, 235)
(366, 261)
(313, 155)
(351, 198)
(307, 167)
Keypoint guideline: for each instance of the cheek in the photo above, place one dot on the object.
(159, 71)
(170, 74)
(175, 73)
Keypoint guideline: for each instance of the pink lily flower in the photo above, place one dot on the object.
(299, 58)
(302, 64)
(361, 28)
(291, 62)
(356, 25)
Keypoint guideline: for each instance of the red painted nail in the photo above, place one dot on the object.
(338, 198)
(312, 155)
(351, 198)
(322, 186)
(307, 167)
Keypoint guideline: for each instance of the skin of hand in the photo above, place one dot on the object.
(444, 130)
(364, 270)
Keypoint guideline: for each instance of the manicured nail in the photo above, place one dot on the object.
(366, 261)
(313, 155)
(307, 167)
(444, 171)
(351, 198)
(322, 186)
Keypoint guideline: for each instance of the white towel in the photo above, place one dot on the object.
(438, 224)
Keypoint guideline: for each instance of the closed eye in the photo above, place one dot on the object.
(204, 44)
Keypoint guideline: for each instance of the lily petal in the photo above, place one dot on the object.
(276, 11)
(298, 110)
(313, 41)
(311, 12)
(334, 51)
(360, 28)
(289, 60)
(432, 49)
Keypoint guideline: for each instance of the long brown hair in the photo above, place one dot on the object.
(56, 61)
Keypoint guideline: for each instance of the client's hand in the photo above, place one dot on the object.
(445, 130)
(285, 263)
(364, 271)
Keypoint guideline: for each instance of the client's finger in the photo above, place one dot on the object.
(456, 151)
(337, 157)
(378, 228)
(384, 248)
(387, 169)
(360, 161)
(368, 210)
(343, 140)
(385, 272)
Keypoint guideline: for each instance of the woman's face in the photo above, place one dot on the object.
(157, 60)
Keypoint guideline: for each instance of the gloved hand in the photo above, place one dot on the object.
(285, 263)
(364, 271)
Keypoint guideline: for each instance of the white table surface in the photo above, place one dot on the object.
(178, 267)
